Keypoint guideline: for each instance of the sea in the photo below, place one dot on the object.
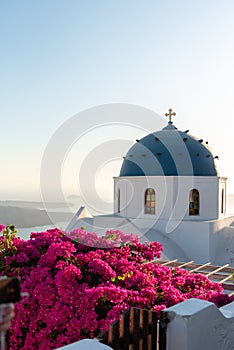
(24, 233)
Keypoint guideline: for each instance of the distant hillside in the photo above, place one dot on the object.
(34, 204)
(29, 217)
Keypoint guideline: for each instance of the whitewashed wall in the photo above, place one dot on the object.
(172, 196)
(198, 324)
(86, 344)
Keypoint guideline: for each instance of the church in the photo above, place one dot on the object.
(169, 190)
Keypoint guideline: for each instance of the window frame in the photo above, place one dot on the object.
(150, 201)
(194, 202)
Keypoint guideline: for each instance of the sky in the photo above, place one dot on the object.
(60, 58)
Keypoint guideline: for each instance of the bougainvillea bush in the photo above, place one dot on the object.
(78, 283)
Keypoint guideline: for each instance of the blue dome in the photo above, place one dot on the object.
(169, 152)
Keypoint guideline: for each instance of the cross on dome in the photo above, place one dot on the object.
(170, 114)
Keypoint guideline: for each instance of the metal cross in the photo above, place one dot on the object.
(170, 114)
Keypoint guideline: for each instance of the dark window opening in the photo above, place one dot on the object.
(194, 202)
(222, 202)
(118, 199)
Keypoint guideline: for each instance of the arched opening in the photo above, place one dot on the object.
(150, 201)
(194, 202)
(222, 202)
(118, 200)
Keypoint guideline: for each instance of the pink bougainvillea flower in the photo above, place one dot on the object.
(2, 228)
(78, 283)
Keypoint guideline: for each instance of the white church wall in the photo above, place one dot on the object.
(132, 196)
(191, 233)
(198, 324)
(228, 236)
(222, 196)
(193, 238)
(223, 246)
(172, 196)
(219, 241)
(201, 241)
(207, 187)
(103, 223)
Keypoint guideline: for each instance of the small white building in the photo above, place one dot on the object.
(169, 190)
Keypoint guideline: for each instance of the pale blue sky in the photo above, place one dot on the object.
(61, 57)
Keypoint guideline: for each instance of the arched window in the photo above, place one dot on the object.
(150, 201)
(118, 201)
(194, 202)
